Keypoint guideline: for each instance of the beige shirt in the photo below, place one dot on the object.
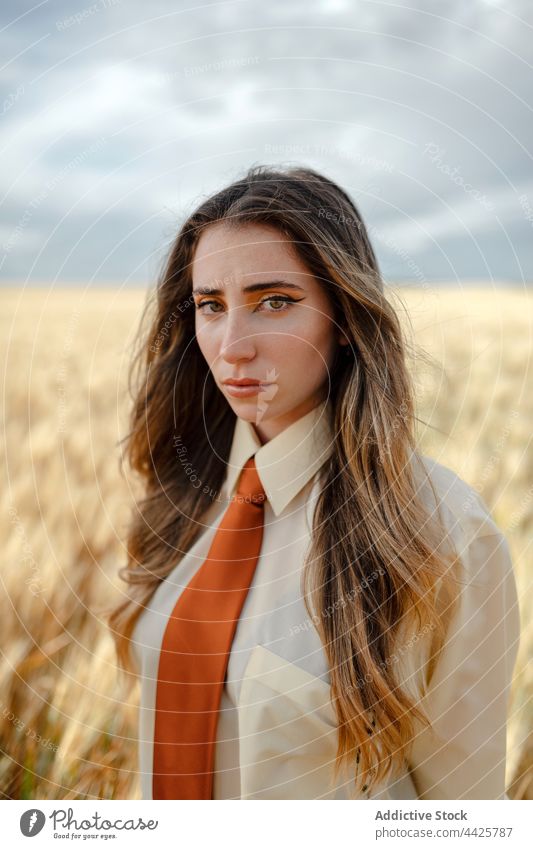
(276, 735)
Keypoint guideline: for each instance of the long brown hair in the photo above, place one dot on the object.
(370, 518)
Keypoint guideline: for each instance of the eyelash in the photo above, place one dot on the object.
(284, 298)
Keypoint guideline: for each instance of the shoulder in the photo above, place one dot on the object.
(471, 534)
(463, 511)
(483, 608)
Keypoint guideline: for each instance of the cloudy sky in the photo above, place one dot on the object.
(118, 116)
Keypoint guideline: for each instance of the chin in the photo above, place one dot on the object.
(246, 408)
(251, 410)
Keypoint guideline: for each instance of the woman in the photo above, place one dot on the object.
(316, 610)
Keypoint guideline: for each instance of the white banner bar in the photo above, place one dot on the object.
(269, 824)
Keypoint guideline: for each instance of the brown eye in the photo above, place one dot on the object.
(205, 304)
(278, 299)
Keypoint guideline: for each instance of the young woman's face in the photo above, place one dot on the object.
(261, 315)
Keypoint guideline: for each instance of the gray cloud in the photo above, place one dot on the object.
(118, 115)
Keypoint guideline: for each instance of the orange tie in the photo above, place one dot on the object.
(196, 645)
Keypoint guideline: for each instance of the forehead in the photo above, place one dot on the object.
(231, 253)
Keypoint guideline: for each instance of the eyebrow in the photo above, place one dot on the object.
(254, 287)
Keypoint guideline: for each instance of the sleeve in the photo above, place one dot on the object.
(461, 755)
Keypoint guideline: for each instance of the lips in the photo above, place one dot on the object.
(243, 381)
(247, 388)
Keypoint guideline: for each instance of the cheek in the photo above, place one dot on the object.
(314, 340)
(206, 342)
(303, 362)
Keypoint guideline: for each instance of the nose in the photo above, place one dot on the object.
(237, 340)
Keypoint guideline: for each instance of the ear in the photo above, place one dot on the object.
(343, 340)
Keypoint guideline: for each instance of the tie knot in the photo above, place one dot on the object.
(249, 487)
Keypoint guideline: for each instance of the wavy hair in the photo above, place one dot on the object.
(375, 570)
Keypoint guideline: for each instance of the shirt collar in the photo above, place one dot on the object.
(288, 461)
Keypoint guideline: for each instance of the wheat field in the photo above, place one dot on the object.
(67, 720)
